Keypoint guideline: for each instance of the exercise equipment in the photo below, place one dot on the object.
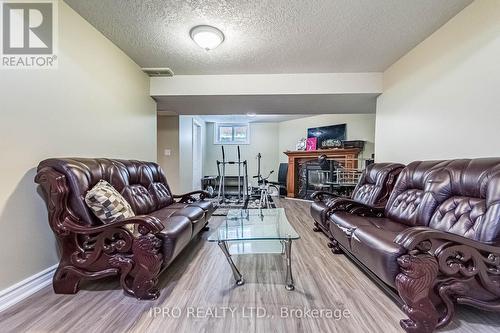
(264, 186)
(209, 184)
(221, 196)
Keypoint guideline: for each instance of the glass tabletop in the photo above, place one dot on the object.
(254, 224)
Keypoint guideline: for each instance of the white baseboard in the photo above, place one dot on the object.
(26, 288)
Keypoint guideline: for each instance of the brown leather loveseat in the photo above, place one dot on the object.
(166, 223)
(373, 189)
(436, 243)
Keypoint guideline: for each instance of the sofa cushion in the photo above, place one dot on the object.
(417, 193)
(193, 213)
(196, 215)
(140, 198)
(371, 241)
(206, 205)
(154, 175)
(471, 205)
(176, 235)
(364, 193)
(343, 225)
(376, 183)
(163, 213)
(107, 204)
(375, 248)
(460, 215)
(161, 193)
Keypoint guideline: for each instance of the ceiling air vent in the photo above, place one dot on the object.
(158, 72)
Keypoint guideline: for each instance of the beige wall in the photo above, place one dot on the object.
(359, 127)
(176, 133)
(168, 138)
(442, 99)
(263, 139)
(95, 104)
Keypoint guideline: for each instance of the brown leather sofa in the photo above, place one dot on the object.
(166, 223)
(373, 189)
(436, 242)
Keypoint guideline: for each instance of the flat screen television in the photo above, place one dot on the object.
(333, 132)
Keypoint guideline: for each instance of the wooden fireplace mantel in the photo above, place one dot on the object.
(349, 156)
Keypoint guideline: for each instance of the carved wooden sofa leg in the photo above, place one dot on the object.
(66, 281)
(334, 246)
(67, 277)
(448, 293)
(414, 285)
(139, 273)
(316, 227)
(460, 270)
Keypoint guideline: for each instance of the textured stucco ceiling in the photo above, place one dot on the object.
(269, 36)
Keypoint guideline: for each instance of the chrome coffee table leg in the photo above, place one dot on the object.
(236, 272)
(289, 277)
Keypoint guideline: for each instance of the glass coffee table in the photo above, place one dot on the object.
(254, 231)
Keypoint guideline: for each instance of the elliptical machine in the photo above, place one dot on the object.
(221, 195)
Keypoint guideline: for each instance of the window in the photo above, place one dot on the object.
(232, 134)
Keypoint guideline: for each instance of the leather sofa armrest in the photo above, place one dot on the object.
(111, 249)
(353, 207)
(145, 225)
(320, 195)
(423, 239)
(189, 197)
(358, 208)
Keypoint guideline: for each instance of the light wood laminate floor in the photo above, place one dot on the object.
(199, 286)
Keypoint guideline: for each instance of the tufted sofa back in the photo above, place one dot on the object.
(412, 201)
(142, 184)
(470, 201)
(376, 183)
(457, 196)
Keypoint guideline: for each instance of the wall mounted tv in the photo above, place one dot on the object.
(333, 132)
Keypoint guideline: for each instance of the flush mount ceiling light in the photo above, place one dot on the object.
(206, 36)
(251, 114)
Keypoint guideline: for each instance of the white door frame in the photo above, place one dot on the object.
(197, 155)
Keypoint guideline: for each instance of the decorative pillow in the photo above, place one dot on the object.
(108, 204)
